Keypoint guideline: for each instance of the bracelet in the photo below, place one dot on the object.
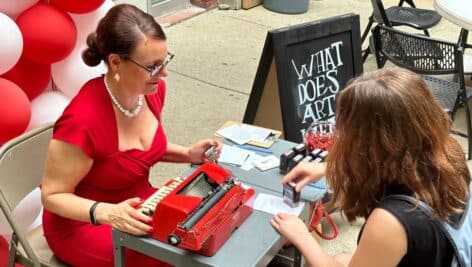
(93, 220)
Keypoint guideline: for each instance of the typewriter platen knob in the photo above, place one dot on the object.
(173, 239)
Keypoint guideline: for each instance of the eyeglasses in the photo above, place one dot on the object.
(156, 68)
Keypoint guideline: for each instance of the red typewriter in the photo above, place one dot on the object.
(200, 212)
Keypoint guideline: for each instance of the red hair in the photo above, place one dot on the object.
(391, 131)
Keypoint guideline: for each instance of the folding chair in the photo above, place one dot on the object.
(427, 56)
(421, 19)
(21, 170)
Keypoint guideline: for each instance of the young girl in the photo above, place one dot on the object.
(392, 137)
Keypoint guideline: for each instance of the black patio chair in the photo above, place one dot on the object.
(421, 19)
(427, 56)
(410, 2)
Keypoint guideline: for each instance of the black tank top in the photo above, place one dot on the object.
(427, 244)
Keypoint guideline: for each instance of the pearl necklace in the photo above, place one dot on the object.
(128, 113)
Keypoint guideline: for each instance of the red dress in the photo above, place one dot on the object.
(89, 122)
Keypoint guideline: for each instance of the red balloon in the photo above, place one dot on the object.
(75, 6)
(31, 76)
(49, 34)
(15, 110)
(4, 252)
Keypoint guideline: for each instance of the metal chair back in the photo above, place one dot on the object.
(22, 161)
(428, 56)
(379, 13)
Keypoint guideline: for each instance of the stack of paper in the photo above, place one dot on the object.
(241, 134)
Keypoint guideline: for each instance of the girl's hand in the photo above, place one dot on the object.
(290, 226)
(304, 173)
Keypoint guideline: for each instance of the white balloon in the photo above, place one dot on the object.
(37, 222)
(47, 107)
(14, 7)
(71, 73)
(26, 213)
(11, 44)
(87, 23)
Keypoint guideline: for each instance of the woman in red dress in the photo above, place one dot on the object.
(106, 141)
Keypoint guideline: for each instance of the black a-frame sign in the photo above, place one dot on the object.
(301, 70)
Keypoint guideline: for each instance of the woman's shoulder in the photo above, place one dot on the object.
(406, 212)
(427, 244)
(88, 109)
(90, 91)
(87, 121)
(382, 242)
(90, 102)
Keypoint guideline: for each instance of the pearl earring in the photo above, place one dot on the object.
(116, 77)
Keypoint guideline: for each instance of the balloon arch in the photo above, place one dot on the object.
(40, 71)
(41, 48)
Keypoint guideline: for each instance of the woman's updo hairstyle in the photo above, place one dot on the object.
(119, 32)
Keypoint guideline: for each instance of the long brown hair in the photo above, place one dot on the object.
(390, 131)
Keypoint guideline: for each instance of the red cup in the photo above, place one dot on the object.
(319, 135)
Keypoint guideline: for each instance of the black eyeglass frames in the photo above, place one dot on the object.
(156, 68)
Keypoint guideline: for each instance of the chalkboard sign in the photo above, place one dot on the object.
(301, 70)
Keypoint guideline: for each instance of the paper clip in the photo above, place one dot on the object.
(270, 137)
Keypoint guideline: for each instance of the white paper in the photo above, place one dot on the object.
(256, 133)
(273, 204)
(235, 134)
(241, 134)
(233, 155)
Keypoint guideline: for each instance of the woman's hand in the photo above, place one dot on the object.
(289, 226)
(197, 151)
(304, 173)
(124, 216)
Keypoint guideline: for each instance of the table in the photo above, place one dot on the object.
(270, 179)
(458, 12)
(254, 243)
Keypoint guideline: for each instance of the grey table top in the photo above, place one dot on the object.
(270, 179)
(254, 243)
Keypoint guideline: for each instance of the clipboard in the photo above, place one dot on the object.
(273, 136)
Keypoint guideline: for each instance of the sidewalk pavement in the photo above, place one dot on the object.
(216, 58)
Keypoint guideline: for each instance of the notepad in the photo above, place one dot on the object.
(267, 162)
(241, 133)
(236, 134)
